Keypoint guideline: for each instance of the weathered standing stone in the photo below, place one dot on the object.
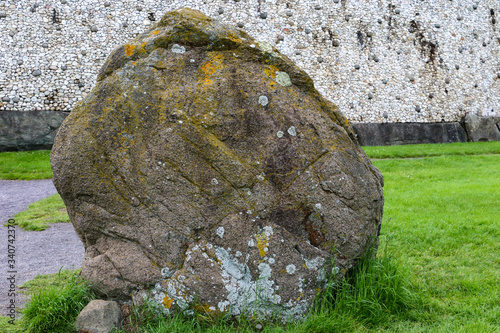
(217, 174)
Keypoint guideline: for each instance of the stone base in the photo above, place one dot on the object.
(482, 128)
(34, 130)
(29, 130)
(388, 134)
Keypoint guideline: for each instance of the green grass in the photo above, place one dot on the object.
(443, 214)
(55, 303)
(25, 165)
(37, 216)
(428, 150)
(438, 267)
(56, 300)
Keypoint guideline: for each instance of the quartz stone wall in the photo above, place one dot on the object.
(379, 61)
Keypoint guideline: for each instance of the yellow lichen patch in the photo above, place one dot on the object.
(262, 242)
(129, 49)
(270, 71)
(167, 302)
(143, 45)
(156, 32)
(211, 66)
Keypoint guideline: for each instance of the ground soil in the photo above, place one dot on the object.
(36, 252)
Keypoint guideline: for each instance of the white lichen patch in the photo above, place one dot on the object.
(315, 263)
(167, 272)
(318, 206)
(279, 134)
(214, 181)
(283, 79)
(292, 131)
(220, 232)
(243, 292)
(263, 100)
(265, 47)
(176, 48)
(290, 269)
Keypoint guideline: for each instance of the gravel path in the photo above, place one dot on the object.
(37, 252)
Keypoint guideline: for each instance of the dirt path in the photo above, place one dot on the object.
(36, 252)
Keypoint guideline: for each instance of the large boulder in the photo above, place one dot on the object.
(205, 170)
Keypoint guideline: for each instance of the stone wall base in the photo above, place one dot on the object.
(33, 130)
(473, 128)
(29, 130)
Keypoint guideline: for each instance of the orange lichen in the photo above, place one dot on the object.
(262, 242)
(129, 49)
(211, 66)
(167, 302)
(270, 71)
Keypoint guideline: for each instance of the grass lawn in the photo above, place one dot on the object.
(25, 165)
(438, 266)
(37, 216)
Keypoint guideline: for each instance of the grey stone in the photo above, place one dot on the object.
(37, 72)
(107, 4)
(336, 42)
(6, 99)
(457, 67)
(387, 134)
(138, 8)
(320, 59)
(64, 67)
(221, 11)
(280, 37)
(240, 24)
(258, 204)
(307, 30)
(482, 128)
(124, 24)
(437, 25)
(357, 66)
(93, 28)
(317, 7)
(289, 13)
(29, 130)
(397, 11)
(370, 96)
(417, 108)
(15, 100)
(386, 115)
(63, 2)
(447, 80)
(379, 21)
(3, 14)
(376, 59)
(20, 62)
(84, 52)
(263, 15)
(100, 317)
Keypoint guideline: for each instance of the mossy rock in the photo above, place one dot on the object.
(205, 166)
